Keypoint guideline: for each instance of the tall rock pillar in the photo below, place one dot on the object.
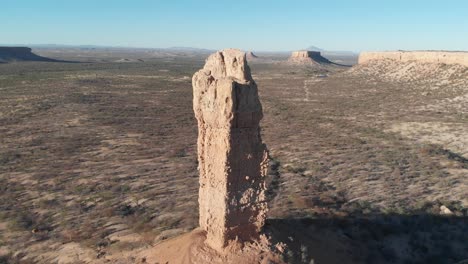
(232, 158)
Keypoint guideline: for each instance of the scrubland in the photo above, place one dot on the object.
(368, 164)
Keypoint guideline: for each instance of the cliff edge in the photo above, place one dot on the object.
(307, 57)
(445, 57)
(12, 54)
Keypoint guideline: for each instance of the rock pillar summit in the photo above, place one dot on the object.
(232, 158)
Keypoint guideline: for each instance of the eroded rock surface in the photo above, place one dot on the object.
(232, 158)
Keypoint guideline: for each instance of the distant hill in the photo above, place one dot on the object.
(332, 52)
(11, 54)
(111, 48)
(189, 49)
(313, 48)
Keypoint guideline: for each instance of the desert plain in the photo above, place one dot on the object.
(368, 163)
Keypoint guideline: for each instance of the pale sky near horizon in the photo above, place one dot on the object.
(250, 25)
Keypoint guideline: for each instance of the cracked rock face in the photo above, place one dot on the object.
(232, 158)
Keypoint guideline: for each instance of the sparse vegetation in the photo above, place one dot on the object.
(102, 156)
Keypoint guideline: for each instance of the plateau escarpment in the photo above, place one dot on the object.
(445, 57)
(429, 70)
(11, 54)
(438, 80)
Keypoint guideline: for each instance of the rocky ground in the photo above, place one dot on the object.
(368, 164)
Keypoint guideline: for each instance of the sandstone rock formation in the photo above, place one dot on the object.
(233, 165)
(307, 57)
(445, 57)
(232, 158)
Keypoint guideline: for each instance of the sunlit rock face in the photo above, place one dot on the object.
(445, 57)
(232, 158)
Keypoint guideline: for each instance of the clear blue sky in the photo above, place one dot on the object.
(251, 25)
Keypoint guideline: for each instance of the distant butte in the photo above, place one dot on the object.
(13, 54)
(250, 55)
(307, 57)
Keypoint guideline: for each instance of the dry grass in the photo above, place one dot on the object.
(100, 159)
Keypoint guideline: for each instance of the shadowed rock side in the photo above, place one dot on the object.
(307, 57)
(12, 54)
(232, 158)
(445, 57)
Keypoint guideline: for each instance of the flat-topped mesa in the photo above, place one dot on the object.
(232, 158)
(307, 57)
(251, 56)
(11, 54)
(445, 57)
(304, 54)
